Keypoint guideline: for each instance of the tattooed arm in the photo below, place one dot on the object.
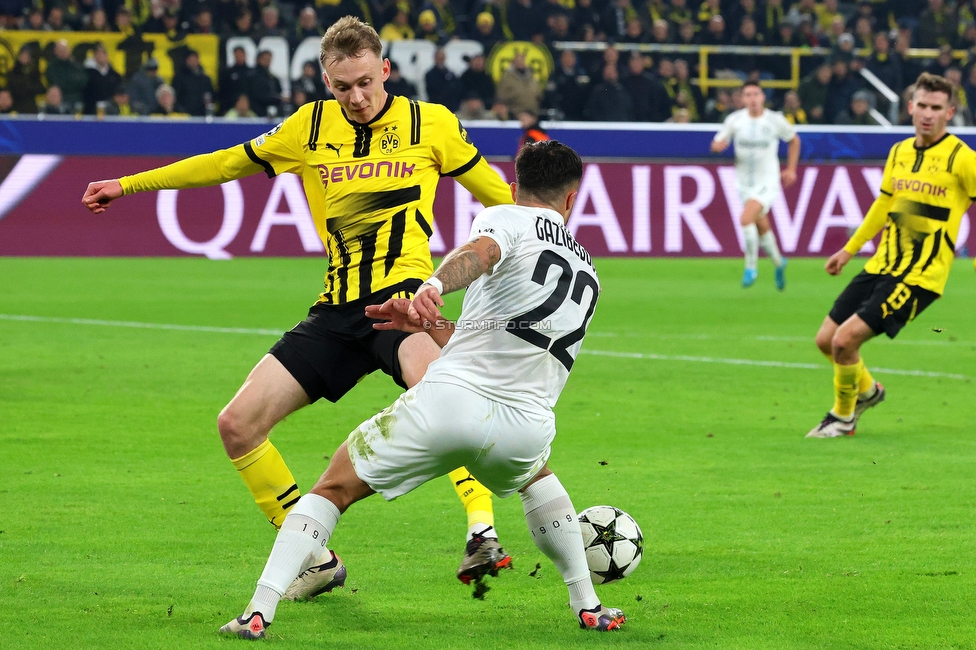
(460, 268)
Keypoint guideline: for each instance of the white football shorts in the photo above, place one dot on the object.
(765, 193)
(435, 428)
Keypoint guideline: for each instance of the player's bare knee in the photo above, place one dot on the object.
(824, 341)
(238, 435)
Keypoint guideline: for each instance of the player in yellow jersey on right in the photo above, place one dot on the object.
(369, 163)
(929, 182)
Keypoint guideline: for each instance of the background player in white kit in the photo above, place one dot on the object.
(486, 403)
(757, 132)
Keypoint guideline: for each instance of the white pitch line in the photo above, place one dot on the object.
(752, 362)
(601, 353)
(759, 337)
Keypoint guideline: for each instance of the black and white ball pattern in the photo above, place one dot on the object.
(613, 542)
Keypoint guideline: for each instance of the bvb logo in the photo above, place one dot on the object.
(389, 141)
(537, 58)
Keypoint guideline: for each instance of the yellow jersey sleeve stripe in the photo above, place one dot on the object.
(466, 167)
(952, 157)
(414, 122)
(268, 169)
(884, 192)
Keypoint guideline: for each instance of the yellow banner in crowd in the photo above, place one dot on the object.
(127, 53)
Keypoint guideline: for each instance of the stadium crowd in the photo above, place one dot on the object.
(589, 85)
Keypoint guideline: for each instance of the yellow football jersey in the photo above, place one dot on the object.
(370, 187)
(924, 194)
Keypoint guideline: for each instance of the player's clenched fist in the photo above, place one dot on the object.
(100, 193)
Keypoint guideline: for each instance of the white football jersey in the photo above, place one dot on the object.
(522, 325)
(756, 141)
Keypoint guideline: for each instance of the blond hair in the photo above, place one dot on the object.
(349, 37)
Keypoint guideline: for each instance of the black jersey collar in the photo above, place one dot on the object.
(918, 148)
(389, 102)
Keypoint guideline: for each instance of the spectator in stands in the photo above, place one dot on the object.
(680, 116)
(235, 80)
(863, 34)
(661, 32)
(827, 12)
(98, 21)
(558, 30)
(793, 110)
(120, 104)
(443, 86)
(102, 79)
(518, 88)
(123, 22)
(307, 26)
(837, 29)
(680, 13)
(615, 18)
(905, 13)
(864, 9)
(745, 9)
(12, 13)
(143, 86)
(803, 9)
(885, 64)
(717, 109)
(166, 105)
(398, 29)
(687, 36)
(486, 31)
(970, 87)
(857, 113)
(911, 67)
(844, 50)
(397, 85)
(203, 21)
(526, 20)
(240, 109)
(6, 102)
(311, 83)
(265, 93)
(55, 20)
(472, 108)
(808, 34)
(967, 40)
(707, 10)
(963, 116)
(714, 34)
(24, 82)
(532, 130)
(609, 101)
(35, 20)
(193, 86)
(813, 94)
(747, 37)
(446, 23)
(647, 94)
(140, 12)
(54, 103)
(665, 74)
(66, 73)
(611, 56)
(476, 80)
(842, 87)
(942, 62)
(270, 24)
(937, 25)
(586, 13)
(243, 24)
(634, 32)
(786, 36)
(567, 87)
(170, 25)
(652, 11)
(428, 30)
(682, 82)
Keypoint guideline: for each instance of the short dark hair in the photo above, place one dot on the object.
(547, 170)
(933, 83)
(750, 83)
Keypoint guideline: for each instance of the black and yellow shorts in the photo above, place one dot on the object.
(336, 346)
(884, 302)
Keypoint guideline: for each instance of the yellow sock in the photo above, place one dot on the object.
(846, 381)
(475, 497)
(269, 480)
(866, 381)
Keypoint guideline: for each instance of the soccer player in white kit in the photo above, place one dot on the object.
(757, 132)
(486, 403)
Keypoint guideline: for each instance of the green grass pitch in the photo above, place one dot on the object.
(123, 525)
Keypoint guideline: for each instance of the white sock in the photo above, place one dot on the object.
(751, 235)
(301, 540)
(556, 531)
(768, 243)
(484, 530)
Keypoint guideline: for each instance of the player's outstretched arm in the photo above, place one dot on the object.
(460, 268)
(718, 146)
(100, 194)
(788, 175)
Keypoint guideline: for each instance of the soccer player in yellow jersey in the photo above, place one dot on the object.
(928, 184)
(369, 163)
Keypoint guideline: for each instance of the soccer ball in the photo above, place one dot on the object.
(613, 542)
